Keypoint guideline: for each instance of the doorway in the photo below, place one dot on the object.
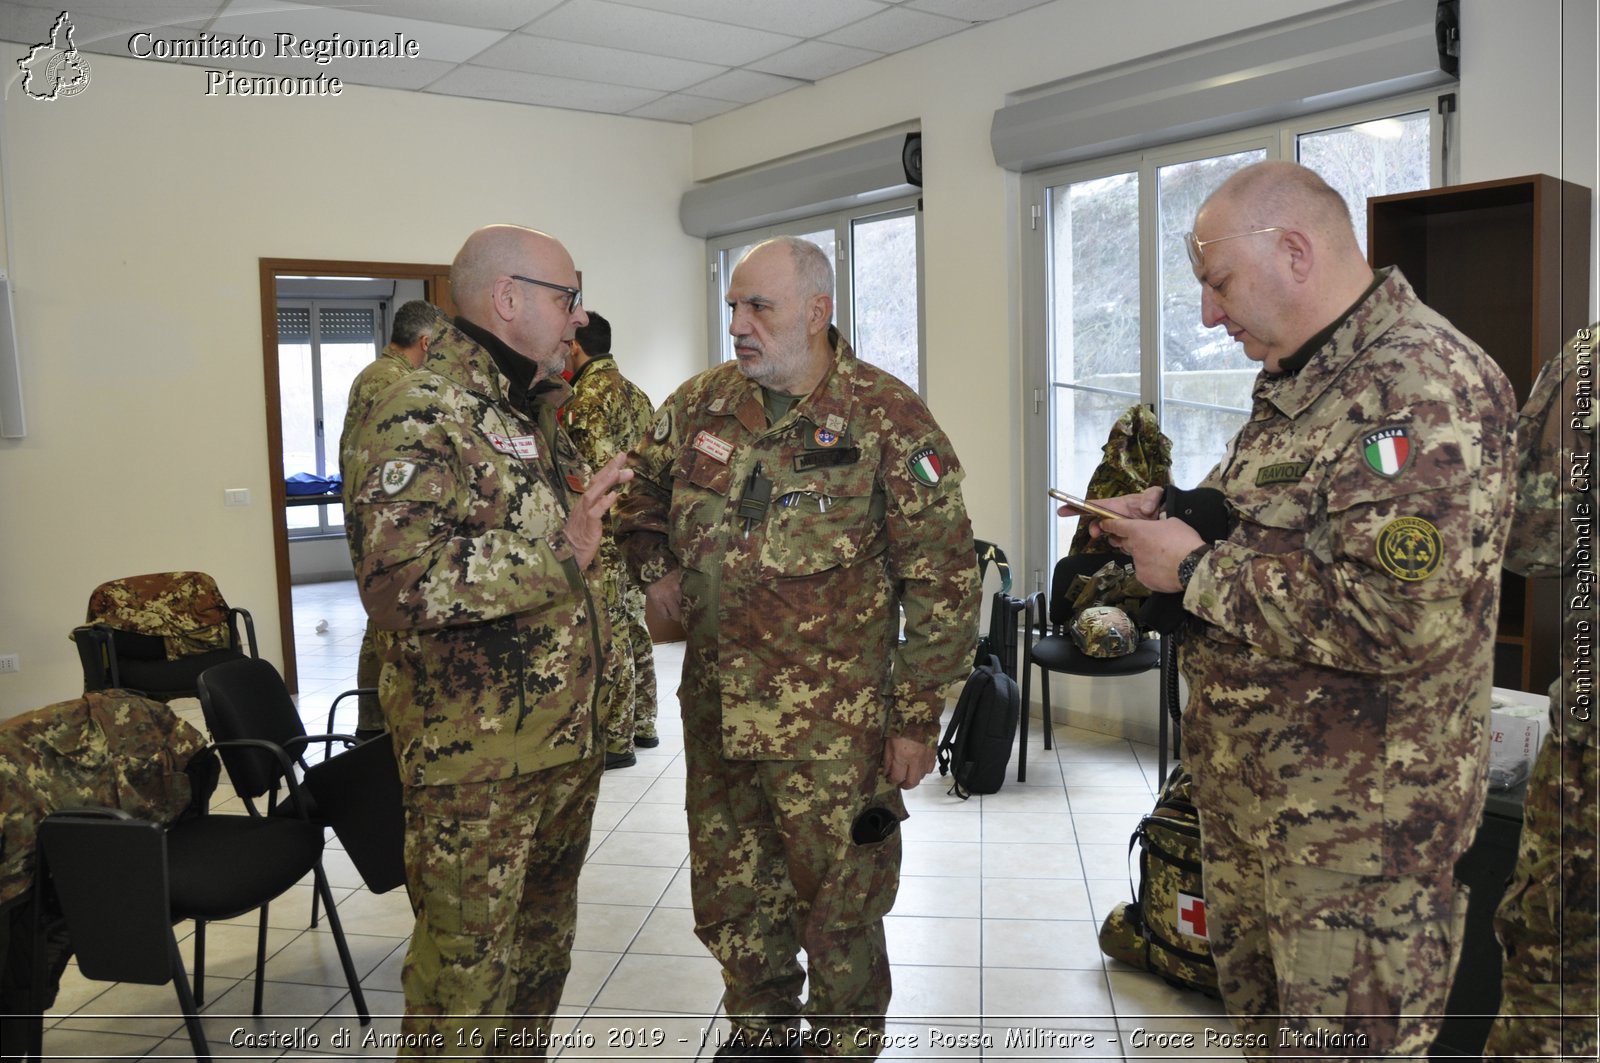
(435, 280)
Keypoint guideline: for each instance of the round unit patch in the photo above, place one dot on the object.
(396, 475)
(663, 427)
(1409, 548)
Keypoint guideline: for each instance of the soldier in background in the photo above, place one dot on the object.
(415, 324)
(1547, 922)
(1340, 648)
(608, 415)
(787, 507)
(474, 523)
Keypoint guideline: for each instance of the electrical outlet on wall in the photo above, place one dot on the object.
(9, 663)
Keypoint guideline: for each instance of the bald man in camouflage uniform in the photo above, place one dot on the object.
(474, 523)
(1341, 646)
(414, 325)
(608, 415)
(788, 507)
(1547, 920)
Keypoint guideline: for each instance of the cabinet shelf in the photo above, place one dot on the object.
(1507, 262)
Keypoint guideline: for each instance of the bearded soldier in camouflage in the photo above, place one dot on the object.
(414, 325)
(789, 507)
(473, 525)
(608, 415)
(1547, 920)
(1340, 653)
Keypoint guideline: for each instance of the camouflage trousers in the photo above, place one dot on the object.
(492, 868)
(628, 694)
(1547, 921)
(1313, 962)
(369, 667)
(774, 871)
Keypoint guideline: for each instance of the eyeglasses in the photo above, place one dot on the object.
(1197, 247)
(574, 295)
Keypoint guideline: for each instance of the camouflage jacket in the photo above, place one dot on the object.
(456, 503)
(106, 749)
(797, 612)
(1553, 534)
(1340, 679)
(372, 381)
(606, 415)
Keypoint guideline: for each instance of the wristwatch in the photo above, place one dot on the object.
(1190, 562)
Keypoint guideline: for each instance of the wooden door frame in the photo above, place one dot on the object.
(436, 289)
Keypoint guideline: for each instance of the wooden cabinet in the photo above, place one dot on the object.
(1508, 263)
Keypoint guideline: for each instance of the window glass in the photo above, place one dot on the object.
(321, 349)
(1121, 319)
(883, 294)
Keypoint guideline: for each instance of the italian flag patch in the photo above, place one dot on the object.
(1388, 451)
(924, 465)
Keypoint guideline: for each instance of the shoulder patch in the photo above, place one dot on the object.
(925, 466)
(396, 475)
(663, 427)
(1409, 548)
(1387, 451)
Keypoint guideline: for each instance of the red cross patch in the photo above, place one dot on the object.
(1192, 915)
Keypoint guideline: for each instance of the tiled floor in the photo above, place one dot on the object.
(993, 937)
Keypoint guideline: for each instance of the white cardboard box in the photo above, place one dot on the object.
(1516, 726)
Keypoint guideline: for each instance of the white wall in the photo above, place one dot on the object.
(1528, 98)
(137, 213)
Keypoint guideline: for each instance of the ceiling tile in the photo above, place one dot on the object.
(487, 14)
(542, 91)
(266, 18)
(378, 73)
(814, 60)
(745, 86)
(797, 18)
(972, 11)
(896, 29)
(90, 33)
(657, 32)
(195, 14)
(586, 62)
(678, 107)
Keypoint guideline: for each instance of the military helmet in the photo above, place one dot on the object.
(1104, 631)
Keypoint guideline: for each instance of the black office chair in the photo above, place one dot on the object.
(356, 792)
(122, 882)
(154, 634)
(1054, 651)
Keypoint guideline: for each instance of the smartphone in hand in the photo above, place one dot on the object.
(1085, 506)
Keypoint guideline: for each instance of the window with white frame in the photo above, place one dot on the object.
(877, 303)
(322, 345)
(1114, 318)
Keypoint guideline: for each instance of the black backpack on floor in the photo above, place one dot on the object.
(976, 746)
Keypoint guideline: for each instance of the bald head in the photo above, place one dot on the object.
(1286, 194)
(533, 319)
(1278, 259)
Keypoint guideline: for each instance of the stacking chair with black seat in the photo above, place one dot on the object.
(356, 792)
(154, 634)
(1048, 644)
(204, 867)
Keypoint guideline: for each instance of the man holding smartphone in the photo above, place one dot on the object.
(1340, 569)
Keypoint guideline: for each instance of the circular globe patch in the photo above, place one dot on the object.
(1409, 548)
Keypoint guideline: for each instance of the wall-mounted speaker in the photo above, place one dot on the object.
(12, 423)
(911, 159)
(1447, 35)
